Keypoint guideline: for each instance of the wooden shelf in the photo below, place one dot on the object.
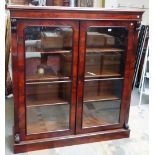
(105, 74)
(44, 78)
(104, 97)
(50, 51)
(100, 50)
(31, 102)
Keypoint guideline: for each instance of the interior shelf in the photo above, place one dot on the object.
(31, 102)
(51, 51)
(104, 74)
(44, 78)
(106, 49)
(103, 79)
(103, 97)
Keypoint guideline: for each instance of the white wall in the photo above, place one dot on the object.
(134, 4)
(111, 3)
(137, 4)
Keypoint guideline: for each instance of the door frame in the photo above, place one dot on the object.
(128, 73)
(21, 25)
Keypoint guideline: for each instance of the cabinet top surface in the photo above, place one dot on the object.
(73, 13)
(86, 9)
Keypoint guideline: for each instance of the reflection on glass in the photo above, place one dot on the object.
(47, 118)
(43, 66)
(103, 64)
(48, 54)
(101, 102)
(102, 90)
(105, 50)
(101, 113)
(48, 94)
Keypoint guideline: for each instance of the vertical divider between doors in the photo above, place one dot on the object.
(80, 82)
(76, 109)
(75, 75)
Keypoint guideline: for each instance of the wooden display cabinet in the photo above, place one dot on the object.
(72, 74)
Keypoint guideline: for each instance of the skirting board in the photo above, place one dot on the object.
(32, 145)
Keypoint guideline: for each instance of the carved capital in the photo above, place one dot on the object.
(138, 25)
(17, 139)
(126, 125)
(13, 25)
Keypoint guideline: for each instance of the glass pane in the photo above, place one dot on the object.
(48, 54)
(44, 66)
(102, 90)
(47, 118)
(105, 51)
(104, 70)
(47, 94)
(47, 107)
(101, 113)
(101, 102)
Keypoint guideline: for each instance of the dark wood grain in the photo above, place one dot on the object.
(129, 68)
(26, 146)
(14, 55)
(74, 14)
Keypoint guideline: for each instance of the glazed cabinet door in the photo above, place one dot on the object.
(47, 62)
(104, 77)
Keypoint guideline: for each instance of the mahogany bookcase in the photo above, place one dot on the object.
(72, 74)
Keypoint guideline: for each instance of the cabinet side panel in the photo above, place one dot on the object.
(14, 54)
(129, 70)
(21, 80)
